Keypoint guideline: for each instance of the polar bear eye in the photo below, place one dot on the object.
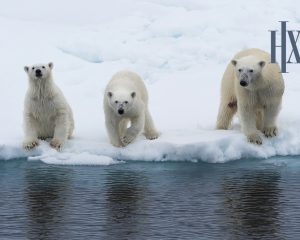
(116, 102)
(240, 70)
(32, 68)
(251, 70)
(126, 102)
(43, 66)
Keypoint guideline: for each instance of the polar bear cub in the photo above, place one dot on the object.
(46, 111)
(126, 101)
(253, 87)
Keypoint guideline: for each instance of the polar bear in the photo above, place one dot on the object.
(46, 111)
(253, 87)
(126, 101)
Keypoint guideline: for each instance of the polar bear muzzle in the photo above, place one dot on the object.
(38, 73)
(244, 80)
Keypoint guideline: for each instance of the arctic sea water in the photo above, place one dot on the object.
(243, 199)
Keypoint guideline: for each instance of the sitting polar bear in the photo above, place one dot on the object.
(46, 111)
(126, 100)
(254, 87)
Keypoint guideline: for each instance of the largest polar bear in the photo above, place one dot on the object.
(126, 101)
(254, 87)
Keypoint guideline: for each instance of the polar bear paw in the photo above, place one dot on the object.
(270, 132)
(152, 135)
(57, 144)
(254, 138)
(116, 144)
(30, 144)
(126, 139)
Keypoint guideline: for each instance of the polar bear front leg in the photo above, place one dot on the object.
(137, 125)
(61, 131)
(31, 136)
(270, 115)
(123, 125)
(248, 122)
(112, 127)
(150, 130)
(259, 120)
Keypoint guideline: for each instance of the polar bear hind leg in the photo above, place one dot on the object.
(227, 110)
(60, 131)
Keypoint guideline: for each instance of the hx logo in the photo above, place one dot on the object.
(285, 59)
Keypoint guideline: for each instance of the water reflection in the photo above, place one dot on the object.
(132, 201)
(45, 197)
(251, 205)
(124, 195)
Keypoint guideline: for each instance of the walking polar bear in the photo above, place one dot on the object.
(126, 101)
(46, 111)
(254, 87)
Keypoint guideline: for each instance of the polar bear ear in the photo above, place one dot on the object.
(133, 94)
(26, 68)
(109, 94)
(50, 64)
(262, 64)
(234, 62)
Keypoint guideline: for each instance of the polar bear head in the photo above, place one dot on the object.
(121, 101)
(39, 71)
(248, 70)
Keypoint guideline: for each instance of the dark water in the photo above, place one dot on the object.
(246, 199)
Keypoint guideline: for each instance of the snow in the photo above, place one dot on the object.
(180, 48)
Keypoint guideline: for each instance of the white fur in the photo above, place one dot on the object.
(46, 111)
(259, 103)
(127, 91)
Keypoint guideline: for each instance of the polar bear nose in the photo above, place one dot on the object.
(121, 111)
(243, 83)
(38, 72)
